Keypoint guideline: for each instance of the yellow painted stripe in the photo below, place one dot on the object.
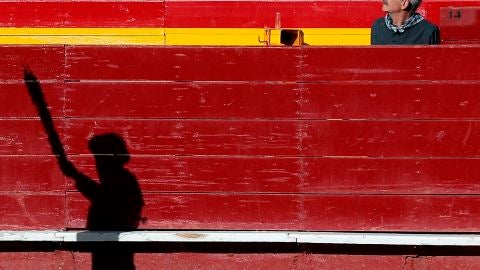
(337, 36)
(82, 31)
(214, 36)
(175, 36)
(82, 40)
(83, 36)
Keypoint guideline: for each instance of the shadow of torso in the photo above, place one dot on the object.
(115, 204)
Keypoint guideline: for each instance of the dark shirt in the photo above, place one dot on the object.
(420, 33)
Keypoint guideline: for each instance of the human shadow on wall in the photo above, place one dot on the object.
(116, 200)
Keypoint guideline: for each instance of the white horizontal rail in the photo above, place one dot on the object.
(353, 238)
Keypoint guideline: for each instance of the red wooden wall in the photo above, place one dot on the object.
(336, 139)
(291, 261)
(209, 13)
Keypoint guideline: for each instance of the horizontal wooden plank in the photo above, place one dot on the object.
(434, 213)
(249, 259)
(181, 63)
(30, 210)
(390, 138)
(82, 13)
(293, 14)
(394, 100)
(30, 173)
(233, 100)
(16, 102)
(190, 258)
(327, 258)
(301, 64)
(390, 176)
(25, 137)
(454, 262)
(81, 36)
(305, 260)
(182, 100)
(428, 213)
(368, 64)
(297, 175)
(270, 137)
(47, 62)
(207, 174)
(158, 137)
(182, 211)
(42, 260)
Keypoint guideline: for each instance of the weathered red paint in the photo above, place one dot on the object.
(377, 64)
(208, 211)
(335, 100)
(390, 100)
(55, 260)
(460, 24)
(65, 259)
(182, 64)
(183, 100)
(48, 60)
(208, 173)
(256, 211)
(187, 137)
(31, 174)
(252, 260)
(370, 138)
(82, 13)
(433, 8)
(306, 175)
(24, 137)
(32, 210)
(15, 102)
(294, 14)
(279, 65)
(250, 130)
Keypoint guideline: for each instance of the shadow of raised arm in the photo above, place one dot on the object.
(83, 182)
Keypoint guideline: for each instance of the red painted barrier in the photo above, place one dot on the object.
(255, 138)
(206, 14)
(238, 261)
(312, 101)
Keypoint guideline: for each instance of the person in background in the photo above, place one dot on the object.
(403, 25)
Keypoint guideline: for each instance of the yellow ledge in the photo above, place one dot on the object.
(174, 36)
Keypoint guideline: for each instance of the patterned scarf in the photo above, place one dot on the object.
(414, 19)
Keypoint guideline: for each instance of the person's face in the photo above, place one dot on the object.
(394, 6)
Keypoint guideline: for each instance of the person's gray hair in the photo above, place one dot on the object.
(415, 4)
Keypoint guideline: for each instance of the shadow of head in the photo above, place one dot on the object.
(109, 151)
